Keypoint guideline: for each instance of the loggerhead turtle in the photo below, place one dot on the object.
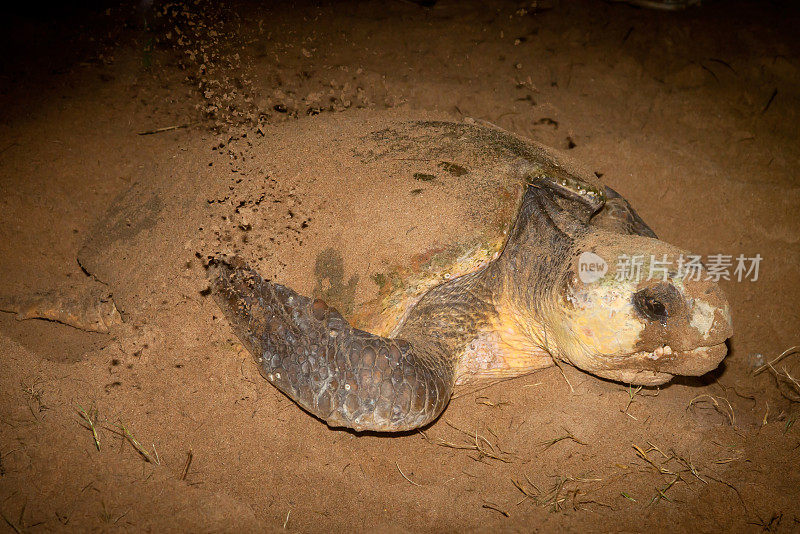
(536, 282)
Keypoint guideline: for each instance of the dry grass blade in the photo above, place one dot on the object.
(662, 493)
(631, 395)
(90, 419)
(549, 443)
(136, 445)
(405, 477)
(583, 504)
(791, 379)
(734, 488)
(478, 443)
(789, 423)
(558, 494)
(107, 517)
(784, 354)
(690, 467)
(584, 479)
(494, 507)
(472, 390)
(35, 396)
(486, 402)
(554, 501)
(530, 492)
(729, 414)
(564, 375)
(783, 376)
(643, 455)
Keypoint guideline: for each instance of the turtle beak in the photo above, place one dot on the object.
(710, 315)
(686, 328)
(696, 315)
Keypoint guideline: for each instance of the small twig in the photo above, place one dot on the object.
(710, 71)
(659, 451)
(164, 129)
(120, 517)
(8, 146)
(14, 527)
(557, 363)
(725, 63)
(792, 379)
(188, 463)
(783, 376)
(769, 102)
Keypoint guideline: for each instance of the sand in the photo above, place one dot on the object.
(692, 116)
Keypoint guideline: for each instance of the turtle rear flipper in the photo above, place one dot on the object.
(344, 376)
(86, 305)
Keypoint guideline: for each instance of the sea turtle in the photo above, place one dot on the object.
(530, 278)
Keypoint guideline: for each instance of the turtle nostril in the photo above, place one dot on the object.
(657, 302)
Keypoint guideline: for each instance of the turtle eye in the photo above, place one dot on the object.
(652, 308)
(657, 302)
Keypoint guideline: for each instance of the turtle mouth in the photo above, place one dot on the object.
(692, 362)
(661, 364)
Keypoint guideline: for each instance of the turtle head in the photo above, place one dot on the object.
(622, 306)
(637, 310)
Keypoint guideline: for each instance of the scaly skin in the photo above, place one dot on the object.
(344, 376)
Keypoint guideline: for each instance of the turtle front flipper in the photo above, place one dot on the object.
(344, 376)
